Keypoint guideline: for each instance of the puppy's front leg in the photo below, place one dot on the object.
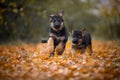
(60, 48)
(50, 46)
(90, 48)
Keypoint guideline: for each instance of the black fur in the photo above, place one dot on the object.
(58, 34)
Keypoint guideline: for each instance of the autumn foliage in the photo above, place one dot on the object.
(28, 62)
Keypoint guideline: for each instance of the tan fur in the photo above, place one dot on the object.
(60, 38)
(51, 23)
(62, 24)
(50, 45)
(61, 13)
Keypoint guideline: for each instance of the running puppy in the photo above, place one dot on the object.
(58, 34)
(80, 41)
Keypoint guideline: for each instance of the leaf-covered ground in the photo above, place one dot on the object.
(27, 62)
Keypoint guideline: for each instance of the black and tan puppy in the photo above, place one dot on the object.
(81, 40)
(58, 35)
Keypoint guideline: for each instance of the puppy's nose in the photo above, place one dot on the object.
(75, 40)
(57, 24)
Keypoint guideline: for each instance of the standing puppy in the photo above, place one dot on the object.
(58, 35)
(80, 41)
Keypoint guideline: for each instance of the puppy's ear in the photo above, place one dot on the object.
(83, 29)
(82, 33)
(51, 15)
(61, 13)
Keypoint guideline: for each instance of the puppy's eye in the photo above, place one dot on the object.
(54, 20)
(62, 20)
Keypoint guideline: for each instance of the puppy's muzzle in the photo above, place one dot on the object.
(57, 25)
(75, 41)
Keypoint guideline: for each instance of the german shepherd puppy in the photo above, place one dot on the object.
(58, 35)
(80, 41)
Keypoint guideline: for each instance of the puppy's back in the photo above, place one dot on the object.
(87, 38)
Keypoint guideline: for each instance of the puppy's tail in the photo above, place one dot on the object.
(43, 41)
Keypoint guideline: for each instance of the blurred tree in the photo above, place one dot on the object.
(111, 13)
(9, 12)
(28, 20)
